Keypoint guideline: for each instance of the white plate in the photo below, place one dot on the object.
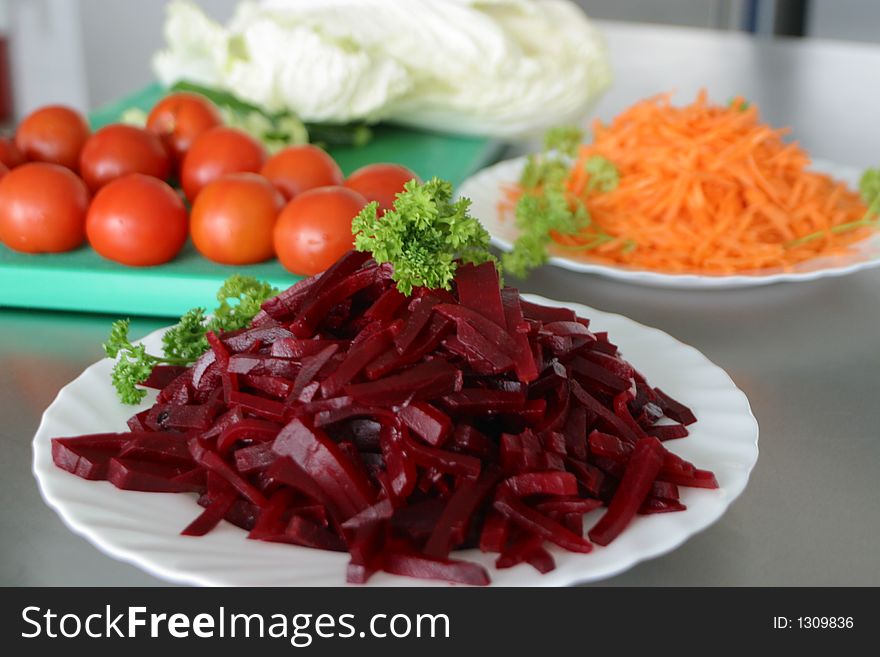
(484, 190)
(142, 528)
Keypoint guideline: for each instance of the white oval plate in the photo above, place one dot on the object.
(484, 190)
(143, 528)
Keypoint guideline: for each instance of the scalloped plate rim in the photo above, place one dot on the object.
(49, 478)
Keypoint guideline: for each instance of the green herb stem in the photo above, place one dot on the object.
(546, 206)
(240, 299)
(869, 188)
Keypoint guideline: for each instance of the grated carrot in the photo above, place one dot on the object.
(705, 188)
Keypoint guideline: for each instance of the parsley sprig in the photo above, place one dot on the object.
(424, 237)
(185, 341)
(869, 188)
(133, 363)
(239, 299)
(545, 205)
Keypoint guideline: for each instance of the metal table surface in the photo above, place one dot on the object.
(807, 355)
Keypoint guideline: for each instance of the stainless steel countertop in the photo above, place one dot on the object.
(806, 354)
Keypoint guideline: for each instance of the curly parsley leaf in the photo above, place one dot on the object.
(564, 139)
(118, 340)
(604, 175)
(133, 368)
(240, 298)
(424, 236)
(133, 364)
(546, 207)
(186, 339)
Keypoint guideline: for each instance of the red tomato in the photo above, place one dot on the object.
(380, 183)
(42, 208)
(232, 219)
(117, 150)
(215, 153)
(53, 134)
(314, 229)
(295, 169)
(3, 170)
(180, 118)
(137, 220)
(10, 156)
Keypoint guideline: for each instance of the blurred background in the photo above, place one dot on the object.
(86, 53)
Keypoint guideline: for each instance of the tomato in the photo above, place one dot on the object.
(137, 220)
(180, 118)
(380, 183)
(215, 153)
(42, 208)
(3, 170)
(10, 156)
(296, 169)
(53, 134)
(314, 229)
(232, 219)
(117, 150)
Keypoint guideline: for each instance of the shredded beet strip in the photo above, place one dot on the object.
(349, 417)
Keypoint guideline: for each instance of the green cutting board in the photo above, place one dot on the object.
(81, 280)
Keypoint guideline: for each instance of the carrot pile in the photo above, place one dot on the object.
(708, 189)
